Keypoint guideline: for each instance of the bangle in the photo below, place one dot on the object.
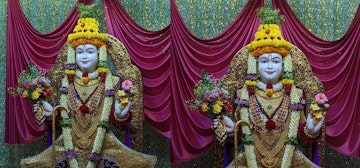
(220, 132)
(311, 136)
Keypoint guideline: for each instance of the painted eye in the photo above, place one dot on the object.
(79, 51)
(91, 51)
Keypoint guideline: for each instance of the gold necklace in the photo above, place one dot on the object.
(83, 124)
(269, 104)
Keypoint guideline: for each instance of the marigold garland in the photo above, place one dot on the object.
(269, 49)
(81, 41)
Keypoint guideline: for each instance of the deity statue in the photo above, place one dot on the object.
(91, 97)
(279, 103)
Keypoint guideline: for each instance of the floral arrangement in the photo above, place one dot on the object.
(33, 85)
(318, 109)
(268, 38)
(210, 97)
(125, 92)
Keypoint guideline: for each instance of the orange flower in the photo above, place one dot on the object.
(269, 92)
(85, 80)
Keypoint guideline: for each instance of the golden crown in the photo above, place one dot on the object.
(87, 29)
(268, 38)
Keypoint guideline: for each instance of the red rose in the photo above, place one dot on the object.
(270, 124)
(102, 76)
(85, 74)
(227, 106)
(84, 109)
(287, 88)
(70, 78)
(251, 89)
(47, 92)
(269, 86)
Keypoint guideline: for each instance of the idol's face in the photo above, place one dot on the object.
(270, 67)
(87, 57)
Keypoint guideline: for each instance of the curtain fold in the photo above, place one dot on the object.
(25, 44)
(337, 65)
(171, 61)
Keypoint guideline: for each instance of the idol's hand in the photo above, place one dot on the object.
(44, 105)
(229, 124)
(311, 127)
(121, 112)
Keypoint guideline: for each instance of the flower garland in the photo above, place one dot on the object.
(290, 88)
(105, 76)
(86, 77)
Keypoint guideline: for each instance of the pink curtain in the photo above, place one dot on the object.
(171, 61)
(25, 44)
(337, 65)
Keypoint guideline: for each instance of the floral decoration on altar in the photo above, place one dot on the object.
(318, 109)
(33, 86)
(125, 93)
(212, 100)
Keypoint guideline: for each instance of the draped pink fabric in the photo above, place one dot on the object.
(171, 61)
(337, 65)
(25, 44)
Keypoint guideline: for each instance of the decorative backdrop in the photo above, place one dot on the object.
(202, 25)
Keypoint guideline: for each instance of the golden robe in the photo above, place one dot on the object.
(84, 128)
(272, 142)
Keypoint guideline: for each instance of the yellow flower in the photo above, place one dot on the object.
(204, 107)
(85, 80)
(287, 81)
(25, 94)
(269, 92)
(250, 83)
(220, 103)
(40, 90)
(121, 93)
(314, 107)
(217, 109)
(100, 69)
(35, 95)
(69, 72)
(319, 114)
(124, 100)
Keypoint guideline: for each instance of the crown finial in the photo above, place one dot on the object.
(87, 11)
(270, 16)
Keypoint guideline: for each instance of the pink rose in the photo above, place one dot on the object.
(127, 84)
(321, 98)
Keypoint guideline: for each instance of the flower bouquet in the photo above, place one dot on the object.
(211, 99)
(35, 87)
(125, 93)
(318, 109)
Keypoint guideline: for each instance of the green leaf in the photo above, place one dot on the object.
(66, 122)
(103, 124)
(291, 141)
(248, 139)
(87, 11)
(270, 16)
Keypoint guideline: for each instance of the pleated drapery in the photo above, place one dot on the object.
(171, 61)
